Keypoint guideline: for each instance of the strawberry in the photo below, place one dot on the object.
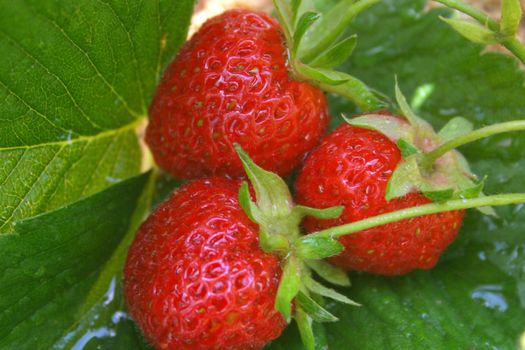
(246, 78)
(352, 167)
(195, 277)
(230, 83)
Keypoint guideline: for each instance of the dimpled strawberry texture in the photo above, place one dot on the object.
(230, 84)
(195, 277)
(352, 167)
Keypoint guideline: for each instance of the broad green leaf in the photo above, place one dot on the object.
(76, 79)
(474, 298)
(50, 262)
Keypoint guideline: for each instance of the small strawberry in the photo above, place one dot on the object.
(195, 276)
(352, 167)
(236, 81)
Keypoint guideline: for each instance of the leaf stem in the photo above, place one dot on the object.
(432, 208)
(512, 43)
(429, 158)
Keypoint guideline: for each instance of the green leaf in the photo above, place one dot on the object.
(317, 247)
(472, 31)
(53, 259)
(76, 80)
(337, 54)
(329, 272)
(314, 310)
(71, 98)
(454, 128)
(288, 287)
(510, 16)
(305, 22)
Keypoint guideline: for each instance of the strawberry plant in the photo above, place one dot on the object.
(76, 82)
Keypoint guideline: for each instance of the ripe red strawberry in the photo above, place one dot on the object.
(352, 167)
(195, 277)
(231, 84)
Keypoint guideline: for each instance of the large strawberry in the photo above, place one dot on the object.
(234, 82)
(195, 276)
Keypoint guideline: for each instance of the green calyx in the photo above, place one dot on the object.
(279, 221)
(430, 162)
(317, 44)
(442, 178)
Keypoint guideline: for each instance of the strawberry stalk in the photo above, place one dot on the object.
(432, 208)
(489, 31)
(429, 158)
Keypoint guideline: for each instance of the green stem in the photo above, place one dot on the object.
(516, 47)
(432, 208)
(473, 12)
(512, 44)
(429, 158)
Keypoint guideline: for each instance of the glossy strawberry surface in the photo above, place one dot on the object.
(352, 167)
(230, 84)
(195, 277)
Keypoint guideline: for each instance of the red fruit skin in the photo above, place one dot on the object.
(195, 277)
(230, 84)
(352, 167)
